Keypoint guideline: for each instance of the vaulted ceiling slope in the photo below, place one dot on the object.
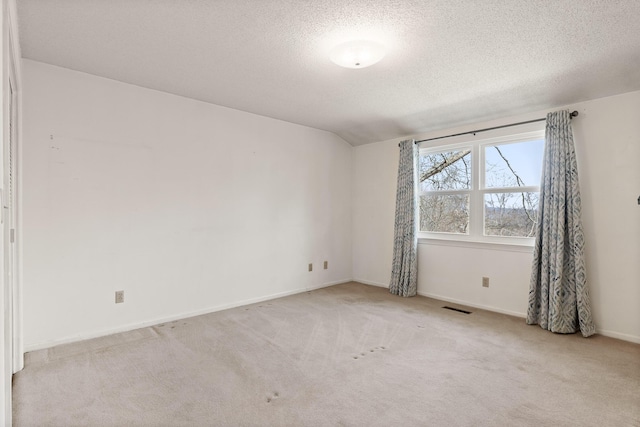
(449, 62)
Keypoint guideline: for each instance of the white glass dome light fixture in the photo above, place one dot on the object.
(357, 54)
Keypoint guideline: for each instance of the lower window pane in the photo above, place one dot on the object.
(447, 213)
(510, 214)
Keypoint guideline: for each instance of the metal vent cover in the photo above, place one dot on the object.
(457, 309)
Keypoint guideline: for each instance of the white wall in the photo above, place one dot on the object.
(607, 137)
(188, 207)
(191, 207)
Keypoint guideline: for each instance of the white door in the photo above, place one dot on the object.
(10, 215)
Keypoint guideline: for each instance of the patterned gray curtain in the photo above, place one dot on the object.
(558, 293)
(404, 271)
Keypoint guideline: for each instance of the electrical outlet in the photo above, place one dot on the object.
(119, 297)
(310, 267)
(485, 282)
(326, 265)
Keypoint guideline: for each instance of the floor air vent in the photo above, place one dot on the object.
(457, 309)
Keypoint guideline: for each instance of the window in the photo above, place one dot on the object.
(484, 190)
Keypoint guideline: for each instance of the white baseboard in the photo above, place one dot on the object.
(606, 333)
(369, 282)
(165, 319)
(336, 282)
(158, 320)
(447, 299)
(472, 304)
(618, 335)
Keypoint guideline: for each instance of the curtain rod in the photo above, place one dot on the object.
(572, 115)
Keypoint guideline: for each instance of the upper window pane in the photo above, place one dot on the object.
(513, 165)
(446, 170)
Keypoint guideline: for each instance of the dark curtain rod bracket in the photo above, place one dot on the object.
(473, 132)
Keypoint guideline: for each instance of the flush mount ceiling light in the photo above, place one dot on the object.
(357, 54)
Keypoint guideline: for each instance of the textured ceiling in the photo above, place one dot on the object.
(449, 62)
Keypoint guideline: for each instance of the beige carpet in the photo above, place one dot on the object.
(348, 355)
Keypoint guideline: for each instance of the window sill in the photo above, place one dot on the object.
(526, 246)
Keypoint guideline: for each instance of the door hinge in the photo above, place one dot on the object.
(13, 235)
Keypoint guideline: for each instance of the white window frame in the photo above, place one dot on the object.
(477, 143)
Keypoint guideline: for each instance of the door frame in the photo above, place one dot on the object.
(11, 333)
(14, 85)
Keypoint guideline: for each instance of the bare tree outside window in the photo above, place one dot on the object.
(441, 172)
(510, 179)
